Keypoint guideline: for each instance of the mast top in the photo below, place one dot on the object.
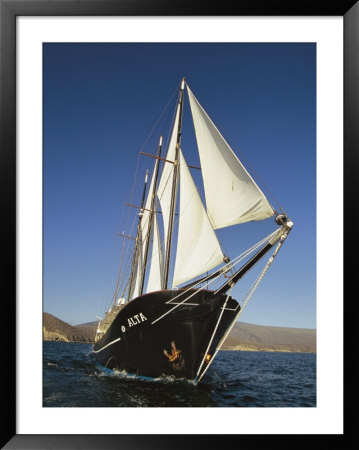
(182, 83)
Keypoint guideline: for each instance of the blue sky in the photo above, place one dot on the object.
(101, 102)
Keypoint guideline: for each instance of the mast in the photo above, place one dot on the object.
(137, 249)
(174, 190)
(150, 220)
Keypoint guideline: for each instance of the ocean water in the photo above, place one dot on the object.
(234, 379)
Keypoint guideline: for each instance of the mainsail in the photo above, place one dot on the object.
(232, 196)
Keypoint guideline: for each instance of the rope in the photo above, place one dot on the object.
(264, 271)
(121, 276)
(255, 286)
(228, 266)
(214, 332)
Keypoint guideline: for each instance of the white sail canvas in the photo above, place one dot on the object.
(198, 249)
(154, 282)
(232, 196)
(164, 191)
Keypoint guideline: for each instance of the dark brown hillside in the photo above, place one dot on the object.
(245, 336)
(55, 329)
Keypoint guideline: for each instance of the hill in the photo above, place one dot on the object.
(244, 336)
(55, 329)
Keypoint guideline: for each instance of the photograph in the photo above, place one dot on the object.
(174, 176)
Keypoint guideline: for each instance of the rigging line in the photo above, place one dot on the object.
(126, 267)
(254, 260)
(151, 132)
(243, 301)
(110, 296)
(128, 264)
(213, 334)
(107, 295)
(129, 244)
(231, 264)
(161, 247)
(170, 128)
(160, 117)
(259, 279)
(171, 171)
(119, 271)
(183, 209)
(145, 142)
(220, 239)
(125, 272)
(128, 214)
(144, 264)
(121, 257)
(117, 289)
(130, 228)
(173, 248)
(149, 259)
(264, 271)
(130, 284)
(174, 188)
(147, 236)
(166, 181)
(235, 261)
(134, 184)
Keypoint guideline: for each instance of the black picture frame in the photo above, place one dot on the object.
(9, 10)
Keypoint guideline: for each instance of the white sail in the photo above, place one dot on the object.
(154, 282)
(164, 191)
(198, 249)
(232, 196)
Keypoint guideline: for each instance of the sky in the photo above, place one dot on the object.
(101, 104)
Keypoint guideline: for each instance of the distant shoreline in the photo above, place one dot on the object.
(243, 336)
(265, 350)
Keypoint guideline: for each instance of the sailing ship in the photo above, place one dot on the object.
(176, 309)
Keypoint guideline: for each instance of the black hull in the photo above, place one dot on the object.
(181, 343)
